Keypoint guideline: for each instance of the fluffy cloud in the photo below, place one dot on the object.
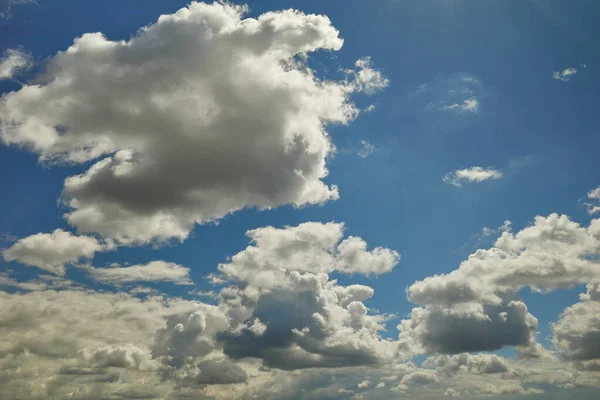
(577, 333)
(51, 251)
(471, 175)
(564, 75)
(13, 61)
(200, 114)
(474, 308)
(309, 247)
(437, 329)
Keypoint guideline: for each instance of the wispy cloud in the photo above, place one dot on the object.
(459, 93)
(6, 7)
(366, 150)
(593, 201)
(471, 175)
(564, 75)
(471, 105)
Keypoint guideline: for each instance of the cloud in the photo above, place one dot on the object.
(460, 94)
(309, 247)
(364, 384)
(155, 271)
(419, 378)
(593, 201)
(474, 307)
(6, 7)
(576, 335)
(478, 363)
(51, 251)
(366, 79)
(471, 175)
(366, 150)
(564, 75)
(189, 127)
(12, 61)
(471, 105)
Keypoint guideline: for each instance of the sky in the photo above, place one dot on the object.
(299, 199)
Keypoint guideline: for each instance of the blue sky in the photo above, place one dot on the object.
(469, 84)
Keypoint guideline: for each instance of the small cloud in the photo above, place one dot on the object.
(471, 105)
(458, 93)
(370, 108)
(366, 78)
(364, 384)
(471, 175)
(13, 61)
(6, 7)
(366, 150)
(593, 203)
(565, 74)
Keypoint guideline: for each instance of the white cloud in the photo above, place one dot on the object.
(12, 61)
(309, 247)
(198, 115)
(366, 150)
(564, 75)
(367, 79)
(155, 271)
(364, 384)
(593, 201)
(471, 105)
(419, 378)
(51, 251)
(471, 175)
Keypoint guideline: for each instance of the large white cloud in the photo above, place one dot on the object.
(200, 114)
(51, 251)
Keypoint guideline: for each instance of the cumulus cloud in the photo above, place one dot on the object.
(198, 115)
(564, 75)
(471, 175)
(12, 61)
(309, 247)
(474, 308)
(51, 251)
(577, 332)
(419, 378)
(366, 150)
(155, 271)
